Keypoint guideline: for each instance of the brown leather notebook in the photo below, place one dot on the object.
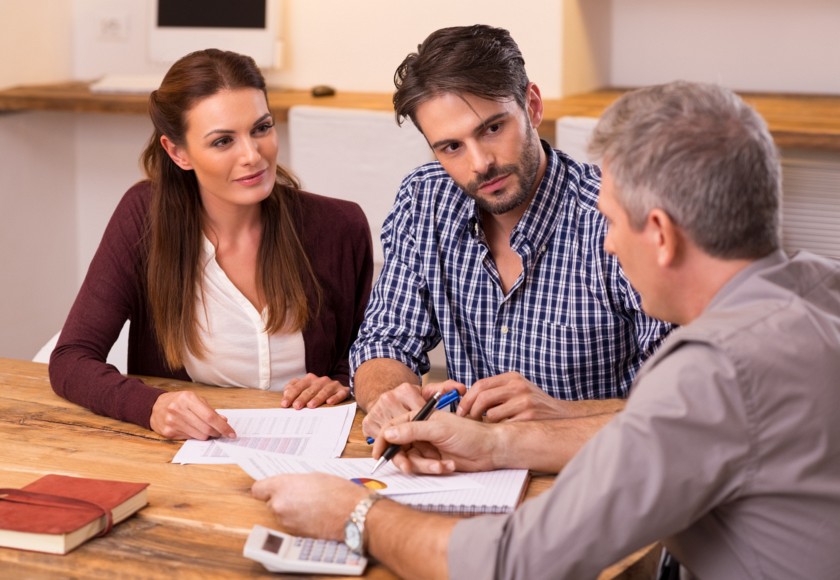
(57, 513)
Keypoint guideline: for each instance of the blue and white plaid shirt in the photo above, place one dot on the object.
(571, 323)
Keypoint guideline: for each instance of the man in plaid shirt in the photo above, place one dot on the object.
(496, 249)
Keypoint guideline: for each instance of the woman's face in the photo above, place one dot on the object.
(231, 144)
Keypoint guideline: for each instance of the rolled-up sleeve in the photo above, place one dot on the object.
(399, 323)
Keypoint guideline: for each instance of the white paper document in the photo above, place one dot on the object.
(320, 432)
(501, 492)
(388, 480)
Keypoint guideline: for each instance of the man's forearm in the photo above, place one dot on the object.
(411, 543)
(590, 407)
(545, 446)
(415, 544)
(378, 375)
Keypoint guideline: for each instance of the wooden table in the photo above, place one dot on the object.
(806, 121)
(198, 515)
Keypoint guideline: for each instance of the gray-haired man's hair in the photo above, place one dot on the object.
(701, 154)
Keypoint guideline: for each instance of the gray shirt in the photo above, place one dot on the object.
(728, 450)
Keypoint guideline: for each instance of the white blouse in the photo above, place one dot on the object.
(238, 351)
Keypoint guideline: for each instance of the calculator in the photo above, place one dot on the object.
(280, 552)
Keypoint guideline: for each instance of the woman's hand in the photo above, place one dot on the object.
(185, 415)
(312, 391)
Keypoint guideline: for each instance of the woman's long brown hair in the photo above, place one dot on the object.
(284, 274)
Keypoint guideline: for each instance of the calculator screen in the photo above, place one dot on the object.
(272, 543)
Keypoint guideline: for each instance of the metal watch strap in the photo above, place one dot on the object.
(359, 516)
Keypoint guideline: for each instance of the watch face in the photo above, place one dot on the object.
(352, 536)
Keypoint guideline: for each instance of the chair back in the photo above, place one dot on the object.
(572, 136)
(355, 154)
(117, 357)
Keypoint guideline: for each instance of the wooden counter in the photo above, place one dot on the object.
(76, 97)
(798, 121)
(801, 121)
(198, 515)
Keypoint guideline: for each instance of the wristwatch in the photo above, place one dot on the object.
(354, 529)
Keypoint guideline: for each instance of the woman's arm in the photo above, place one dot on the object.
(107, 298)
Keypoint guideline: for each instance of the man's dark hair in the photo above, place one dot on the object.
(478, 60)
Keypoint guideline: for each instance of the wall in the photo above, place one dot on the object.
(38, 235)
(586, 40)
(107, 163)
(748, 45)
(95, 54)
(37, 162)
(326, 40)
(35, 41)
(569, 45)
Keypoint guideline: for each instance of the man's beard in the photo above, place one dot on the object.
(525, 173)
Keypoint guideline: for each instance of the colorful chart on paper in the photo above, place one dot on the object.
(370, 483)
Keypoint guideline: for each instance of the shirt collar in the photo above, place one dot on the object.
(772, 259)
(539, 221)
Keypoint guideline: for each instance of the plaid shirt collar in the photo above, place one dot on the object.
(539, 222)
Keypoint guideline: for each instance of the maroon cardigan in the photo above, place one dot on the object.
(336, 237)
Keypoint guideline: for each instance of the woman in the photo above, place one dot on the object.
(229, 274)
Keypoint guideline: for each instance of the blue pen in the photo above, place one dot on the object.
(449, 398)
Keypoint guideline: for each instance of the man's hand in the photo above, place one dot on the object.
(315, 505)
(442, 444)
(405, 398)
(398, 401)
(185, 415)
(313, 391)
(509, 396)
(512, 397)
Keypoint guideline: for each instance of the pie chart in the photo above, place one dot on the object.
(369, 483)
